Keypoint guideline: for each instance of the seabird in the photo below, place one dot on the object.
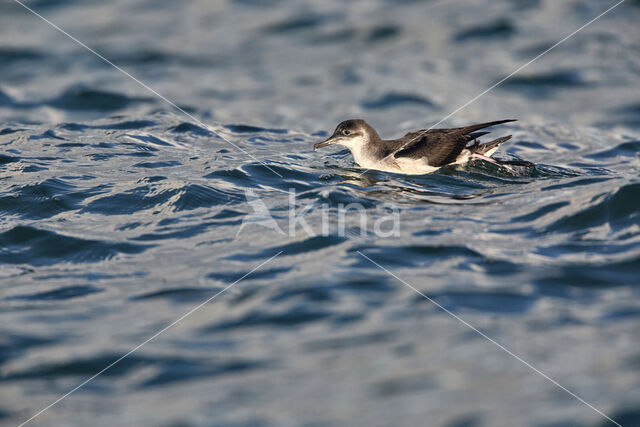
(418, 152)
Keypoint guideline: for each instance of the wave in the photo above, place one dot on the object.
(37, 247)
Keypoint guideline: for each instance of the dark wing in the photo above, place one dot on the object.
(440, 146)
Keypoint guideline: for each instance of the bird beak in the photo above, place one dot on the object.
(329, 141)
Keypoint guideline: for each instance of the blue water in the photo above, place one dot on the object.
(119, 214)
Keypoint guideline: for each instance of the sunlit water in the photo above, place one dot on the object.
(120, 214)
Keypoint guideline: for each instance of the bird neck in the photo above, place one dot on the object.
(358, 153)
(365, 154)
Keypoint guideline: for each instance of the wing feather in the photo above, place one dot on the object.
(441, 146)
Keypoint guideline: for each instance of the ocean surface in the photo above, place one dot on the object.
(120, 215)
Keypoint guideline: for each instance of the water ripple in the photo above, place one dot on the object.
(34, 246)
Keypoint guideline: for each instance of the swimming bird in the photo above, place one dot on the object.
(418, 152)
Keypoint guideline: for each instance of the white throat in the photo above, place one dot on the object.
(358, 148)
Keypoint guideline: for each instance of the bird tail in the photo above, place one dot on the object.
(490, 147)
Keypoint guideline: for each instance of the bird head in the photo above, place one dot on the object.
(351, 134)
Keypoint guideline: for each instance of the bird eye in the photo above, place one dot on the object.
(346, 132)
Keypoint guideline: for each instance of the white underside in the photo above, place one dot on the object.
(409, 166)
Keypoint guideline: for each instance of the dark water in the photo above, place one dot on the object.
(120, 214)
